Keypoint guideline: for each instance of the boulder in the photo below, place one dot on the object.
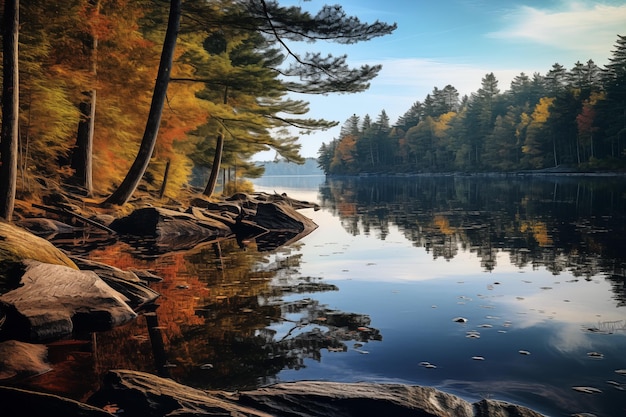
(172, 230)
(17, 244)
(20, 360)
(127, 283)
(143, 394)
(53, 301)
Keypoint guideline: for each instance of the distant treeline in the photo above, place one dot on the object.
(281, 167)
(574, 118)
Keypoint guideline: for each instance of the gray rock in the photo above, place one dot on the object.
(143, 394)
(53, 301)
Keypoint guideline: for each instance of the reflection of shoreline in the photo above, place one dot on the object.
(301, 187)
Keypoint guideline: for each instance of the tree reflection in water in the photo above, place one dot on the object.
(218, 314)
(560, 223)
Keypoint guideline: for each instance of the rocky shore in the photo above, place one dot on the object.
(46, 296)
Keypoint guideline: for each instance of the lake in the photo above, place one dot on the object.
(498, 287)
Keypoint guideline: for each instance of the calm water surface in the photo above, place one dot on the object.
(485, 287)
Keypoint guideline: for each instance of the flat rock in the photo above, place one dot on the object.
(53, 301)
(138, 393)
(127, 283)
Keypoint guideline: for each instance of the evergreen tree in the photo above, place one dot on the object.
(411, 117)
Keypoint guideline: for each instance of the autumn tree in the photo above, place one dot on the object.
(148, 142)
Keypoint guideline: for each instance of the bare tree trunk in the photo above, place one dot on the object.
(82, 157)
(217, 159)
(10, 109)
(165, 178)
(215, 169)
(148, 142)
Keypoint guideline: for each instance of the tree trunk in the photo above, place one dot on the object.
(217, 159)
(148, 142)
(215, 169)
(165, 177)
(10, 109)
(82, 156)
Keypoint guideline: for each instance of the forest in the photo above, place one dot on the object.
(566, 119)
(109, 95)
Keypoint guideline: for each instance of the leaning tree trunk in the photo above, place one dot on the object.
(215, 169)
(10, 109)
(148, 142)
(82, 157)
(217, 159)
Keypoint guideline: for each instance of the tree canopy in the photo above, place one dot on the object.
(233, 67)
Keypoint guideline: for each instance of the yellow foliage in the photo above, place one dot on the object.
(443, 224)
(539, 231)
(542, 110)
(239, 186)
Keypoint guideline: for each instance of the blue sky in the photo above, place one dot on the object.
(440, 42)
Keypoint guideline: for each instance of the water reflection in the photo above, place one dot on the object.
(534, 265)
(227, 318)
(557, 223)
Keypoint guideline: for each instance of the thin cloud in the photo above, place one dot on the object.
(581, 27)
(415, 75)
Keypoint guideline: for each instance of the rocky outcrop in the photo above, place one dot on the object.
(138, 393)
(17, 244)
(127, 283)
(271, 220)
(169, 225)
(53, 301)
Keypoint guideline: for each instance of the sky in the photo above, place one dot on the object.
(457, 42)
